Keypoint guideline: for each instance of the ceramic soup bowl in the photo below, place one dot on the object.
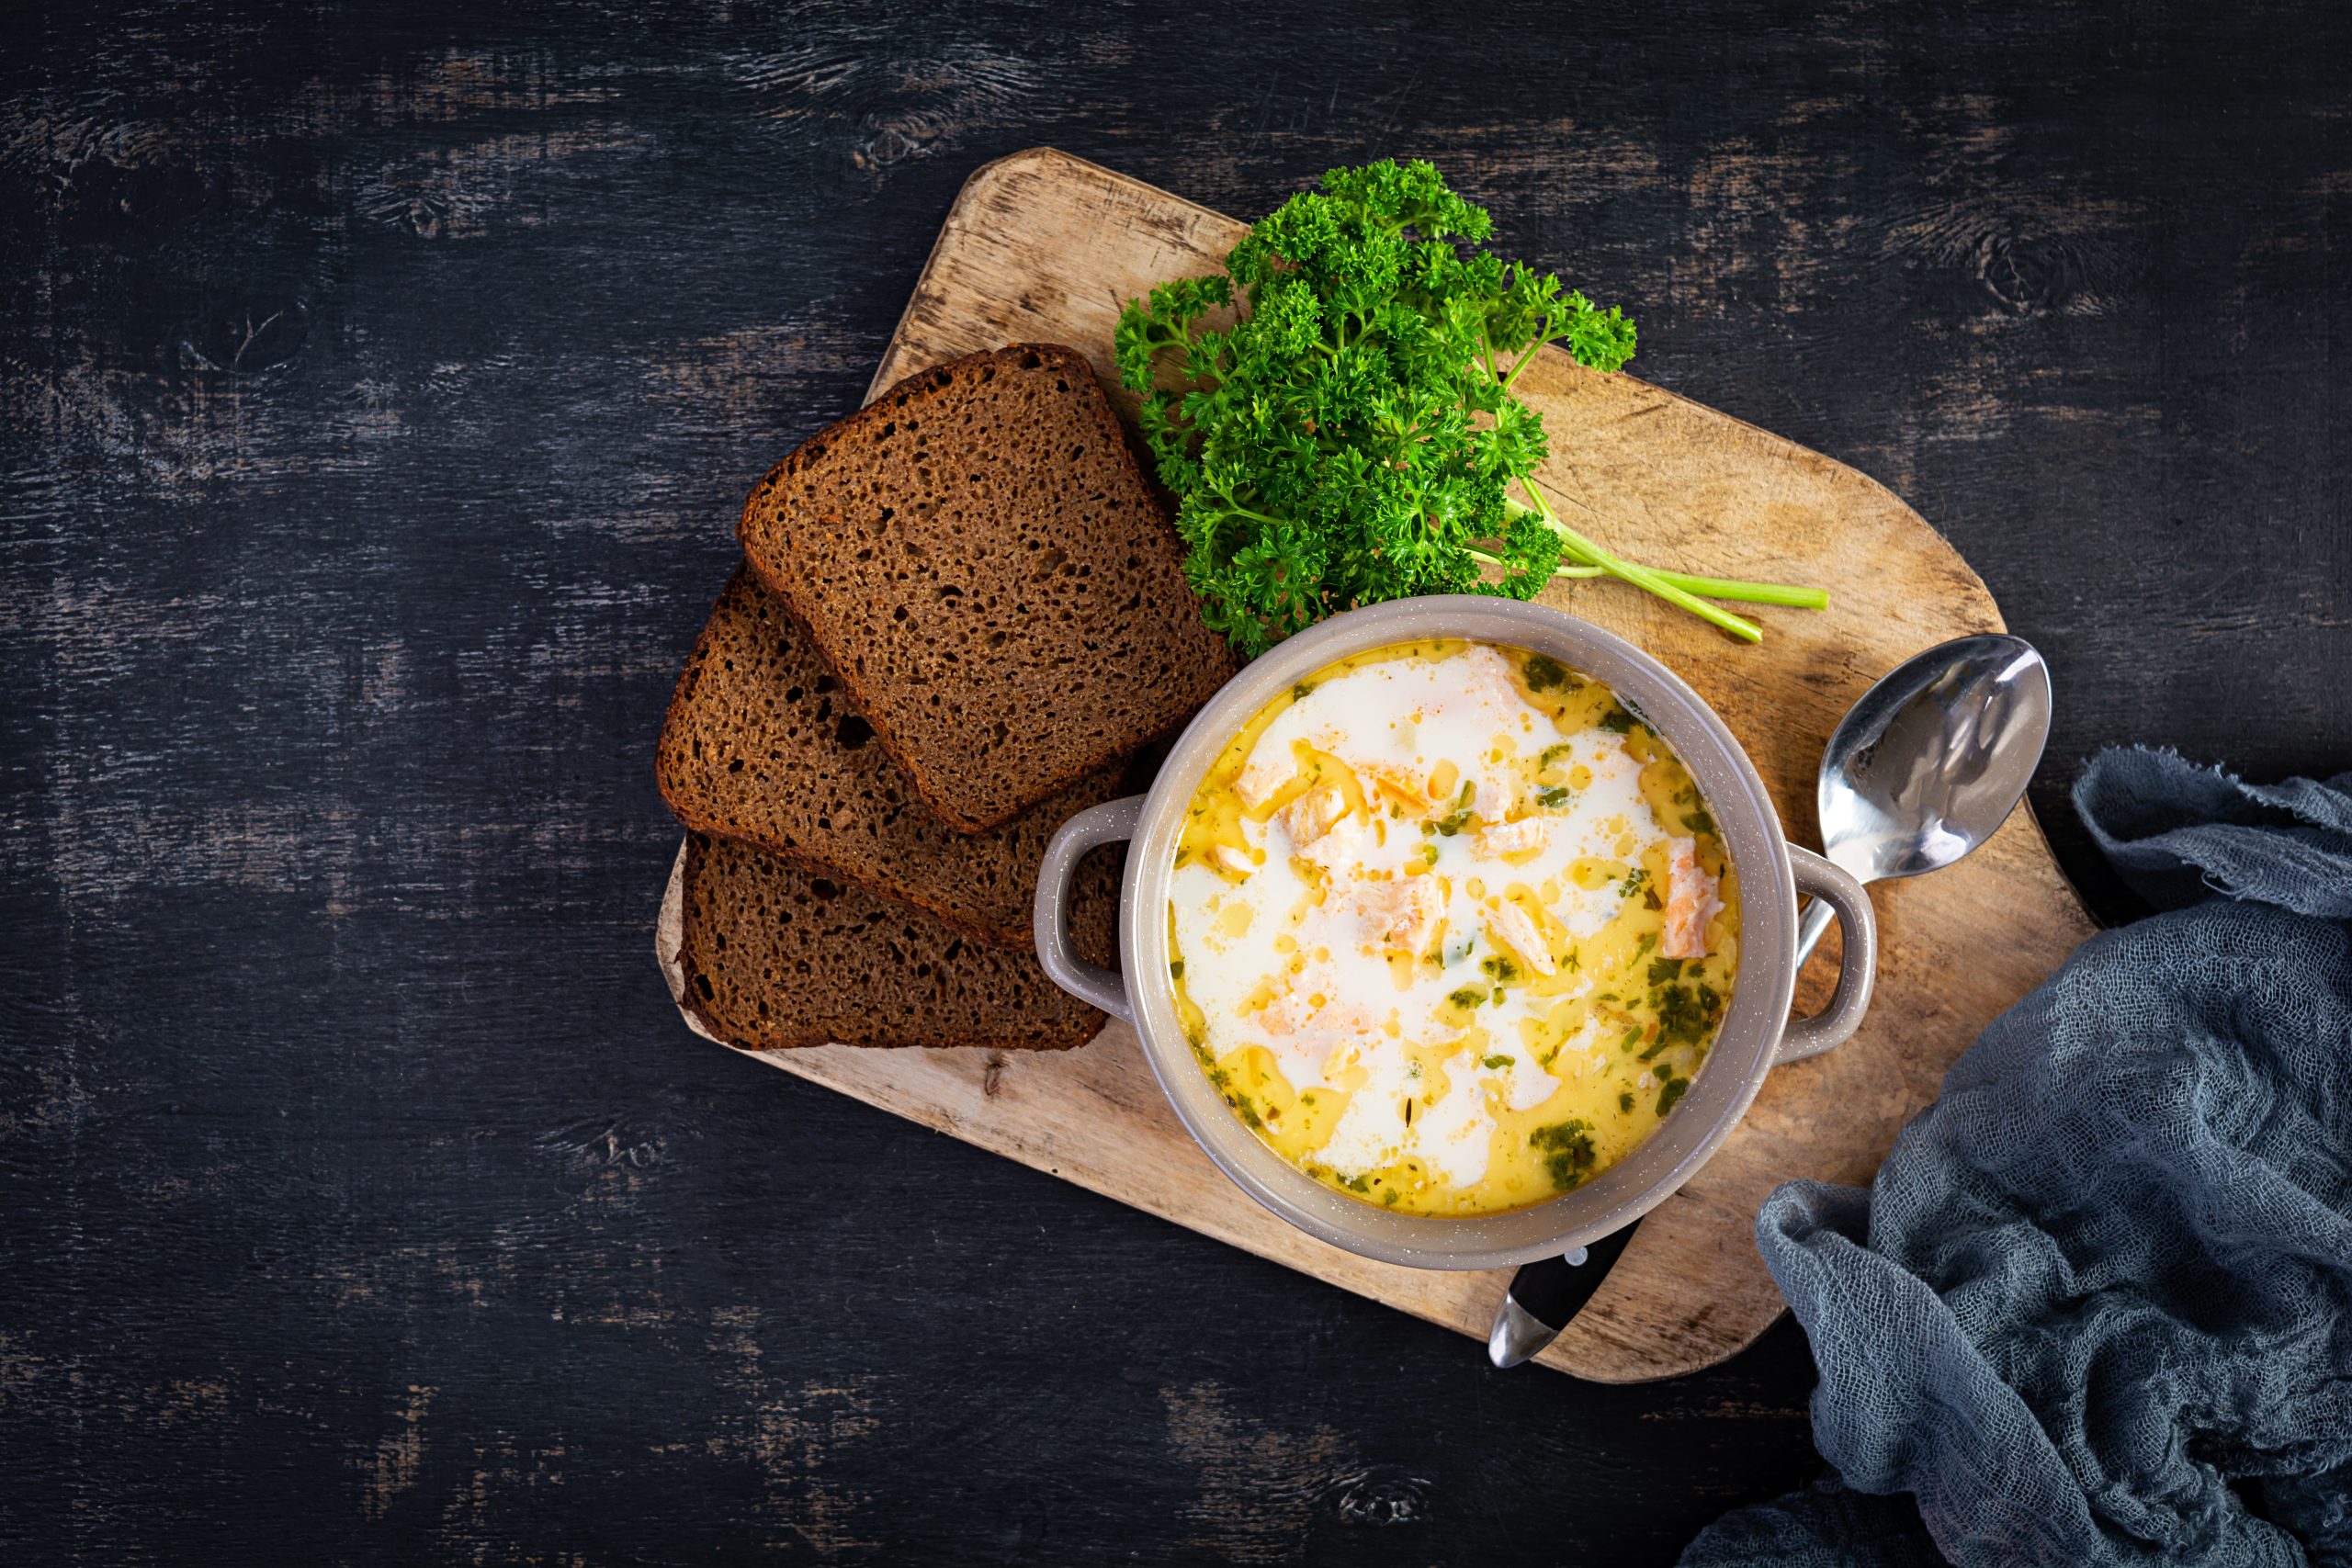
(1757, 1031)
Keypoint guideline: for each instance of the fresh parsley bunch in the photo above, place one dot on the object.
(1352, 435)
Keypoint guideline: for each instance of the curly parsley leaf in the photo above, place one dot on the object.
(1335, 415)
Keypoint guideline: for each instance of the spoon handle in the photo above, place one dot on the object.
(1817, 916)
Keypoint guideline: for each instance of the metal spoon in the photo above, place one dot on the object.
(1918, 773)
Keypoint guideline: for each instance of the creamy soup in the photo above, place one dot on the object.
(1452, 928)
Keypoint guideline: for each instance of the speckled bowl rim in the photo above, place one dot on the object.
(1719, 1096)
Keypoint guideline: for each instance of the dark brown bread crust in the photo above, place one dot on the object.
(762, 743)
(776, 959)
(1003, 639)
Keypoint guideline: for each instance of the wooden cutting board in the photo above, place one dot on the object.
(1044, 246)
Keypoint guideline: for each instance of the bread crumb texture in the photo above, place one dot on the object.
(979, 556)
(763, 743)
(776, 956)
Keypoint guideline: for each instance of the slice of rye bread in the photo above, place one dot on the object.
(978, 554)
(762, 743)
(776, 957)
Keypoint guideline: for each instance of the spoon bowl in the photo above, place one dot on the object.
(1934, 758)
(1929, 764)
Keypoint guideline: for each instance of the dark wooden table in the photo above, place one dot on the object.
(378, 385)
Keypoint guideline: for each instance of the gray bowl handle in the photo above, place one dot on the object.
(1108, 823)
(1837, 891)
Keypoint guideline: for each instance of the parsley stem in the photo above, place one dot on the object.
(1235, 509)
(1475, 553)
(1789, 595)
(1747, 631)
(1525, 357)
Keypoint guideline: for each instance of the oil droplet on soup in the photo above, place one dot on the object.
(1451, 928)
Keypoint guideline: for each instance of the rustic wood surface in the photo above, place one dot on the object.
(377, 385)
(1042, 245)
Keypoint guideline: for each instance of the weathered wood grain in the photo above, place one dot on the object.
(378, 385)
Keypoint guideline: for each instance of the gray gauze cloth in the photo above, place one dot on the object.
(2096, 1308)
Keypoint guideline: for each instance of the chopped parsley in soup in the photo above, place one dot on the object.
(1452, 928)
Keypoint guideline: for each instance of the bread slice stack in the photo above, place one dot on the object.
(959, 613)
